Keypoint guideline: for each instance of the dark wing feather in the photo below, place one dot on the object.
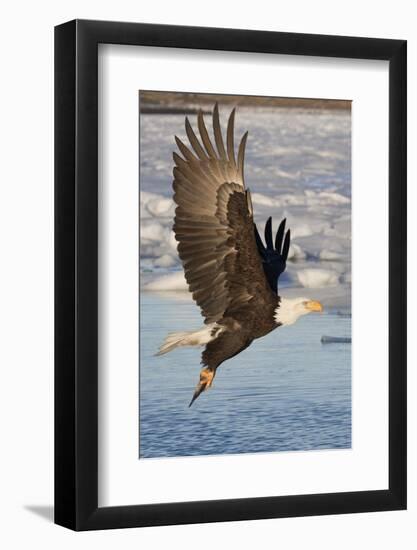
(274, 260)
(214, 223)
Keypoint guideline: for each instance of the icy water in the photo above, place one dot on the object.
(286, 392)
(297, 166)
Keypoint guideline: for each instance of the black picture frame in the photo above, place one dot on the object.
(76, 272)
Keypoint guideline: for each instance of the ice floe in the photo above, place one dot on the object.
(297, 166)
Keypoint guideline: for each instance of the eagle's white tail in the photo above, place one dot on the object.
(172, 341)
(189, 338)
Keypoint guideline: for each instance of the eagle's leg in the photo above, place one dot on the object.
(206, 380)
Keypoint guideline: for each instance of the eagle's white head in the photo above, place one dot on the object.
(289, 310)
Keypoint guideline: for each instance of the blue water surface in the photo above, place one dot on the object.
(286, 392)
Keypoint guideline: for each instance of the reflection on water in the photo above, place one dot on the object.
(286, 392)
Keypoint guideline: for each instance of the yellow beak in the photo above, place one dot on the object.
(312, 305)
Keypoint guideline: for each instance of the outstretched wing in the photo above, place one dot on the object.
(274, 260)
(214, 222)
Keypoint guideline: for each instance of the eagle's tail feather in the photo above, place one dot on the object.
(172, 341)
(187, 338)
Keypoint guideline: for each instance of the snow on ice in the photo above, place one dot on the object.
(297, 166)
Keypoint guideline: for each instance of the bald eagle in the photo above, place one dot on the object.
(231, 273)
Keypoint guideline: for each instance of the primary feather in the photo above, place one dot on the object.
(214, 224)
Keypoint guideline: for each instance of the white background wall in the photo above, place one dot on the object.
(26, 272)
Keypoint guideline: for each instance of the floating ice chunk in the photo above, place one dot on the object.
(296, 252)
(156, 205)
(329, 255)
(160, 206)
(151, 231)
(335, 340)
(330, 154)
(172, 242)
(316, 278)
(166, 260)
(336, 198)
(259, 198)
(301, 230)
(308, 197)
(173, 281)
